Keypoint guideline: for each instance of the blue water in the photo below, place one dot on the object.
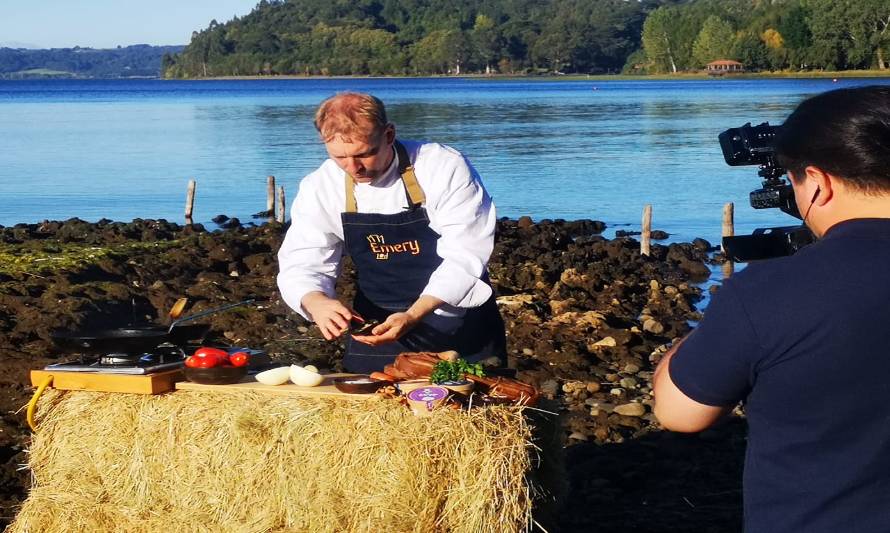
(123, 149)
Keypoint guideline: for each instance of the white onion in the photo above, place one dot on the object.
(305, 378)
(275, 376)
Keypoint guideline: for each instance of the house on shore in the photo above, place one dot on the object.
(724, 66)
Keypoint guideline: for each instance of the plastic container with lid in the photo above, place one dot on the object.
(425, 400)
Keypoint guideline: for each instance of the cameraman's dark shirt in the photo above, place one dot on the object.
(804, 341)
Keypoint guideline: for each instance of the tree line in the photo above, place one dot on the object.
(139, 60)
(766, 35)
(418, 37)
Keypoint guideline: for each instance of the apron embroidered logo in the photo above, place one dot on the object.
(382, 250)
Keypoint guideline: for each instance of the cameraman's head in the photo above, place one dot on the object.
(836, 148)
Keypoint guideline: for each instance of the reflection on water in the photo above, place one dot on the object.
(566, 149)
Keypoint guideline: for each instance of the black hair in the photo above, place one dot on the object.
(845, 132)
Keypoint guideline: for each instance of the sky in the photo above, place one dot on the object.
(109, 23)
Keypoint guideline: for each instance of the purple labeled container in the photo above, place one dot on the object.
(425, 399)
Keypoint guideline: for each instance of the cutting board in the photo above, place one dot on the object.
(96, 381)
(249, 383)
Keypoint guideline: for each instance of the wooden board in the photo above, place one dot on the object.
(249, 383)
(156, 383)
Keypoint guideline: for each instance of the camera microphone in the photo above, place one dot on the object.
(813, 201)
(818, 190)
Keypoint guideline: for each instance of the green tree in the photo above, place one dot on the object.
(660, 39)
(796, 35)
(486, 41)
(830, 23)
(870, 21)
(750, 50)
(441, 52)
(714, 41)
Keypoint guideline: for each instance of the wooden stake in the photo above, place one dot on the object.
(728, 231)
(646, 236)
(728, 220)
(190, 201)
(281, 205)
(270, 196)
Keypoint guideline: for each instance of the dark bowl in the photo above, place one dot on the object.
(218, 375)
(359, 384)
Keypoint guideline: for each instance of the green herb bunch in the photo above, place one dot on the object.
(456, 371)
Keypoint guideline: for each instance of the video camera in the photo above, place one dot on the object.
(754, 145)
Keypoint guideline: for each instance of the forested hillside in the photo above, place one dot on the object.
(415, 37)
(139, 60)
(766, 35)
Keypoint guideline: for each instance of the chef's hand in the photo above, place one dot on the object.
(396, 325)
(331, 316)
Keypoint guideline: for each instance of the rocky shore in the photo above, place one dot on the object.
(588, 319)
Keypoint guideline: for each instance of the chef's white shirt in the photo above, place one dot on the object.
(459, 208)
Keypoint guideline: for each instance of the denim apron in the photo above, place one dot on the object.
(394, 257)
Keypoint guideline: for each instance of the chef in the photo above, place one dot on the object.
(419, 227)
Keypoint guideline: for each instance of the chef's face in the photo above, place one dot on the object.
(364, 159)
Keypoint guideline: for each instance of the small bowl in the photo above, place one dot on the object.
(359, 384)
(464, 387)
(218, 375)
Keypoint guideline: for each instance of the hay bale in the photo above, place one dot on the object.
(251, 462)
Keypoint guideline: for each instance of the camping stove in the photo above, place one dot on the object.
(163, 357)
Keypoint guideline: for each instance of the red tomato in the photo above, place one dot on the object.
(205, 351)
(191, 361)
(208, 361)
(239, 359)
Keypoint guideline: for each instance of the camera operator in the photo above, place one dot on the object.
(803, 340)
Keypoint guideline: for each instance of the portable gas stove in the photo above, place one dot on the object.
(163, 357)
(149, 373)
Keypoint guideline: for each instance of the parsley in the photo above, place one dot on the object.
(456, 371)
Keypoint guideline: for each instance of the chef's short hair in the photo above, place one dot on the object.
(354, 116)
(845, 132)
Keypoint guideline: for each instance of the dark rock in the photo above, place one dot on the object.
(702, 245)
(231, 223)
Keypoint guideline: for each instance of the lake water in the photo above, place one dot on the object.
(596, 149)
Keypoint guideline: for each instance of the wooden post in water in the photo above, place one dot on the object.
(190, 201)
(646, 235)
(728, 231)
(270, 196)
(282, 206)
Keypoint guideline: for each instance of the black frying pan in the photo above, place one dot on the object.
(135, 339)
(102, 341)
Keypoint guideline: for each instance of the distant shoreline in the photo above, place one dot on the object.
(576, 77)
(685, 76)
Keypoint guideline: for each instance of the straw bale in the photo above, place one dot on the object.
(250, 462)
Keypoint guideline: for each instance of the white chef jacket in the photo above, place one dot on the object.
(459, 208)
